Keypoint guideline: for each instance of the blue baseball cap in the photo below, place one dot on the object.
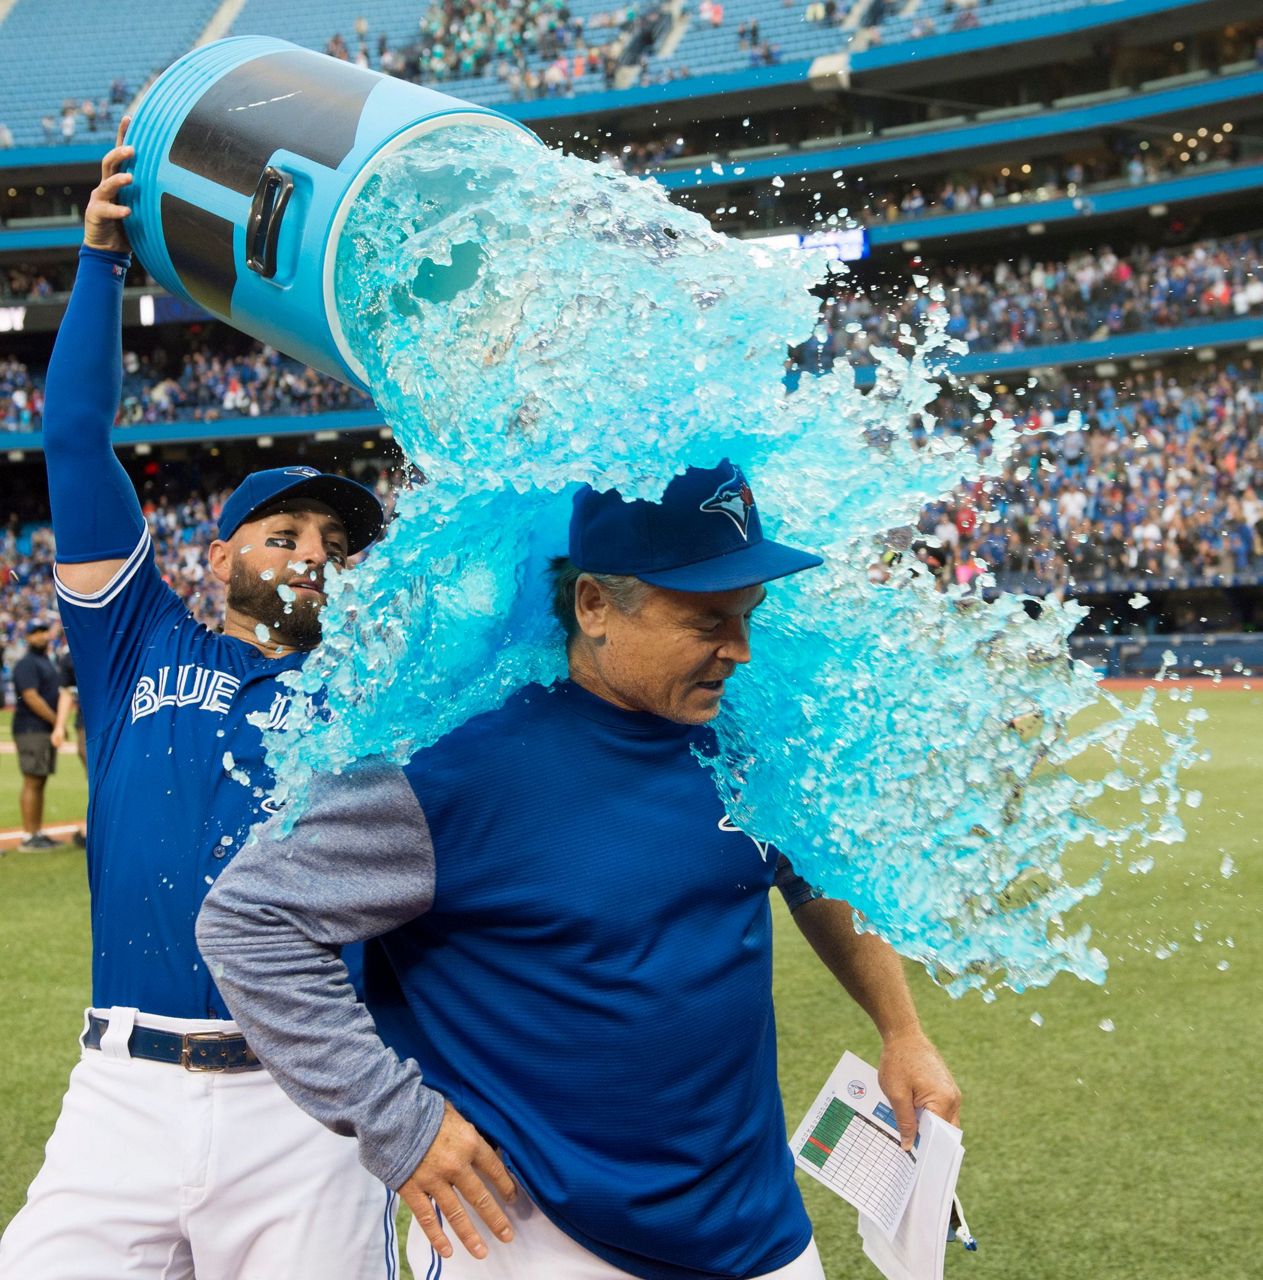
(356, 506)
(704, 534)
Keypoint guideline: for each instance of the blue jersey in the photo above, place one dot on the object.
(176, 778)
(593, 983)
(576, 948)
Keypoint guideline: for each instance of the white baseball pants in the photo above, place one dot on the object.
(541, 1251)
(158, 1173)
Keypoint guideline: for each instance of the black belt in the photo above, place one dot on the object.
(192, 1050)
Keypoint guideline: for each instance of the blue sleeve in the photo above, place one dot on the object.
(96, 515)
(113, 630)
(95, 512)
(794, 889)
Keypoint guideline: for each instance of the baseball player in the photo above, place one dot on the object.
(175, 1154)
(575, 942)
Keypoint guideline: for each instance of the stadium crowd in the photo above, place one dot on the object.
(1162, 479)
(21, 396)
(1051, 180)
(204, 386)
(1013, 306)
(209, 385)
(1002, 307)
(538, 47)
(91, 115)
(24, 282)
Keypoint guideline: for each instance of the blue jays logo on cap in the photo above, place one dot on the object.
(357, 507)
(676, 542)
(734, 499)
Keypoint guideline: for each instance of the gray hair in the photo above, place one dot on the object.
(626, 593)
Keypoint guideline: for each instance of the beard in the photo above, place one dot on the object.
(295, 624)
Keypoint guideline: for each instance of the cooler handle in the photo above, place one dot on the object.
(267, 208)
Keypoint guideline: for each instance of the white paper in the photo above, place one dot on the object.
(848, 1141)
(919, 1246)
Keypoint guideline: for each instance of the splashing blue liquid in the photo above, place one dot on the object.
(530, 321)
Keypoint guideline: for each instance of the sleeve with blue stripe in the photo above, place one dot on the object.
(96, 515)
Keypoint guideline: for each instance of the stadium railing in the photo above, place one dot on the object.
(1101, 202)
(320, 426)
(1232, 654)
(1118, 346)
(863, 154)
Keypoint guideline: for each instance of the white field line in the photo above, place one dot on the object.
(9, 838)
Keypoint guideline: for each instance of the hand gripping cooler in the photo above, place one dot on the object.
(249, 154)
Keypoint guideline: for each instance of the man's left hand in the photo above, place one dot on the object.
(912, 1074)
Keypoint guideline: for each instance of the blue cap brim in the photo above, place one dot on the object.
(355, 505)
(746, 567)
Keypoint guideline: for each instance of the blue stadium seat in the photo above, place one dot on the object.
(37, 37)
(144, 37)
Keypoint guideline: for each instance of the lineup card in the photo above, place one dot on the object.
(848, 1141)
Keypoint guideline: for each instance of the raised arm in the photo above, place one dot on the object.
(911, 1072)
(97, 520)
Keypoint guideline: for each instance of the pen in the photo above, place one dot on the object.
(959, 1228)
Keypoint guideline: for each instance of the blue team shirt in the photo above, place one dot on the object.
(592, 986)
(176, 773)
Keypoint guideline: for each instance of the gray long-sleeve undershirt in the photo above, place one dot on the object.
(358, 863)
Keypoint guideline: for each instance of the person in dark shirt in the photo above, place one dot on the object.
(568, 1016)
(68, 703)
(36, 684)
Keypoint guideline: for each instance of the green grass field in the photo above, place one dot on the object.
(1127, 1155)
(65, 798)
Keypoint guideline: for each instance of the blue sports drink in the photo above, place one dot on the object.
(528, 321)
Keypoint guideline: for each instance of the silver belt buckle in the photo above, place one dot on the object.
(208, 1037)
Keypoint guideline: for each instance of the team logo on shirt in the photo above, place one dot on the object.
(734, 499)
(275, 717)
(763, 846)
